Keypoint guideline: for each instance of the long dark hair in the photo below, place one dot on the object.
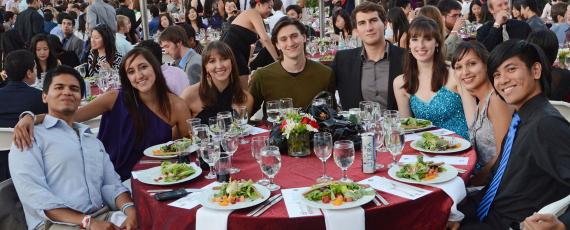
(170, 21)
(347, 22)
(51, 60)
(427, 28)
(131, 95)
(207, 91)
(109, 44)
(484, 12)
(399, 21)
(198, 18)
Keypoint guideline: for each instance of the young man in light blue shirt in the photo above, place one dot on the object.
(66, 177)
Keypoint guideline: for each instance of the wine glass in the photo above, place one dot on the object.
(343, 155)
(216, 127)
(286, 105)
(366, 111)
(394, 138)
(273, 111)
(378, 130)
(230, 144)
(391, 118)
(210, 152)
(322, 145)
(102, 83)
(257, 143)
(241, 117)
(226, 119)
(270, 164)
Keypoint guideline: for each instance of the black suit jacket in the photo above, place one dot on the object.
(560, 84)
(491, 36)
(347, 67)
(17, 97)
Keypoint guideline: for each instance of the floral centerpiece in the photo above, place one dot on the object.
(297, 128)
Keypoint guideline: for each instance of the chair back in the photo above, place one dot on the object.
(556, 208)
(6, 138)
(11, 214)
(563, 107)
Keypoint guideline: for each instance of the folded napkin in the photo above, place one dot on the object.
(452, 160)
(456, 190)
(295, 207)
(256, 130)
(557, 208)
(210, 219)
(395, 188)
(342, 219)
(191, 200)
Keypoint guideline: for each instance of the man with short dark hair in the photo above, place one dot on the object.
(66, 180)
(277, 14)
(532, 170)
(18, 96)
(175, 43)
(528, 11)
(501, 28)
(69, 41)
(453, 22)
(560, 25)
(29, 22)
(296, 12)
(367, 73)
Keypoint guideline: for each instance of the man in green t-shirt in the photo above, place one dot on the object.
(292, 75)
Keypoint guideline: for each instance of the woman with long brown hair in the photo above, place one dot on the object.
(220, 89)
(141, 114)
(426, 90)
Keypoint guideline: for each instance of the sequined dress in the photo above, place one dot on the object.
(445, 110)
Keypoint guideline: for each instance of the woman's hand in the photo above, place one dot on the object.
(24, 132)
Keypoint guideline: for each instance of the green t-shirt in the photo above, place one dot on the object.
(273, 82)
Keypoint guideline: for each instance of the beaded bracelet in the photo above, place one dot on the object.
(125, 206)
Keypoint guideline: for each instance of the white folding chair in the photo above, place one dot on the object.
(6, 138)
(557, 208)
(563, 107)
(93, 123)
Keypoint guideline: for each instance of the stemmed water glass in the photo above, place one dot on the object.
(270, 164)
(343, 155)
(366, 113)
(217, 127)
(395, 139)
(200, 136)
(103, 83)
(226, 119)
(241, 117)
(210, 152)
(322, 145)
(391, 118)
(257, 143)
(273, 111)
(230, 144)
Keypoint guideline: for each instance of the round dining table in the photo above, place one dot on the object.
(428, 212)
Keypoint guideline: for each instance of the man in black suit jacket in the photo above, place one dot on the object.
(491, 33)
(367, 73)
(17, 96)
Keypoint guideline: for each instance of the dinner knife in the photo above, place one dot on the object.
(268, 201)
(268, 206)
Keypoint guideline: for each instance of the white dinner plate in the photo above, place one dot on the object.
(418, 129)
(207, 195)
(463, 145)
(148, 176)
(319, 204)
(148, 151)
(449, 174)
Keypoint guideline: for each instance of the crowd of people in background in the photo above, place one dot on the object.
(470, 66)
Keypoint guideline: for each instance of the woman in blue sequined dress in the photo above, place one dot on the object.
(426, 90)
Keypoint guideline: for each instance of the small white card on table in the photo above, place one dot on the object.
(295, 207)
(395, 188)
(191, 200)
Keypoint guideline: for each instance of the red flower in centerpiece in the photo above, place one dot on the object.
(305, 120)
(314, 124)
(283, 124)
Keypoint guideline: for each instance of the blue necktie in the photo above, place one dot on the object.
(487, 200)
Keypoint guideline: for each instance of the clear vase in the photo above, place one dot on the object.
(299, 145)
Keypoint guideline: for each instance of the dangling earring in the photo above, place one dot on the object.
(437, 49)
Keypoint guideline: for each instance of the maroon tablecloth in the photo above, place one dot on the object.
(428, 212)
